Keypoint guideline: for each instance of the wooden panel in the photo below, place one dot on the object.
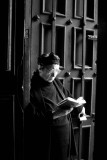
(86, 145)
(46, 36)
(61, 7)
(76, 87)
(6, 37)
(47, 6)
(90, 11)
(78, 47)
(78, 9)
(88, 94)
(60, 43)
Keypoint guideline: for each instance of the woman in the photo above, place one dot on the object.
(51, 134)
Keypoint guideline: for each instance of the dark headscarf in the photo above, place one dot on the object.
(48, 59)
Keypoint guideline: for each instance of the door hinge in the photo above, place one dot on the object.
(26, 34)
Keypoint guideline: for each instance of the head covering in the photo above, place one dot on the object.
(49, 59)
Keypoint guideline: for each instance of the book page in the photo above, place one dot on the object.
(69, 102)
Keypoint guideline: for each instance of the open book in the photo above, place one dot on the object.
(69, 102)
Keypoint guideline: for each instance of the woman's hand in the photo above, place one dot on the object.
(82, 115)
(81, 101)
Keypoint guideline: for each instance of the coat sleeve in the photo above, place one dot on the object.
(67, 93)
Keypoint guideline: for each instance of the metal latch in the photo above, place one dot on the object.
(26, 34)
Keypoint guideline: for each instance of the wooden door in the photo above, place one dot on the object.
(68, 28)
(7, 85)
(11, 51)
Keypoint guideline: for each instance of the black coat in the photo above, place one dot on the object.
(42, 140)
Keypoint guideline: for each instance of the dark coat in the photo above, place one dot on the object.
(38, 132)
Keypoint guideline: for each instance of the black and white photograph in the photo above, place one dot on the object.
(53, 79)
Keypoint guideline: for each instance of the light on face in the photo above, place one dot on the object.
(53, 69)
(50, 72)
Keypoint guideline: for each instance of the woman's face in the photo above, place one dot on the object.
(49, 72)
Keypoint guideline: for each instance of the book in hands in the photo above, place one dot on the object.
(69, 103)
